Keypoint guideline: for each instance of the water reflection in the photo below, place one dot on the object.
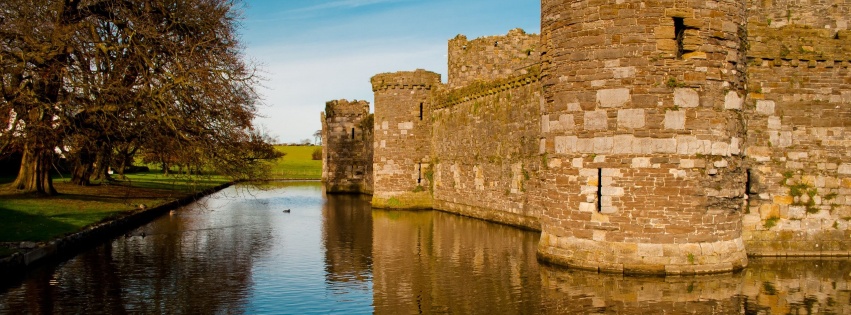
(433, 262)
(240, 253)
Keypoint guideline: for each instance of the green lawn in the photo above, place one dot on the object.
(38, 219)
(31, 218)
(297, 164)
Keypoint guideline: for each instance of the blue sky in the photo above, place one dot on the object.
(313, 51)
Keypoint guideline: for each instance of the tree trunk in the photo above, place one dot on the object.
(81, 174)
(102, 164)
(34, 176)
(82, 168)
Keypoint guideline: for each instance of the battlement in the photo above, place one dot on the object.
(346, 108)
(418, 79)
(492, 57)
(667, 137)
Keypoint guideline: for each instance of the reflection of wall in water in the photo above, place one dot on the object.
(432, 262)
(616, 294)
(798, 286)
(347, 234)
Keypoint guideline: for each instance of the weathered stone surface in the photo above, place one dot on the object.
(613, 97)
(685, 97)
(681, 137)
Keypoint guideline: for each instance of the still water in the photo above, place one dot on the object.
(239, 252)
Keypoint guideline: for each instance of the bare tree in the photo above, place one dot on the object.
(91, 77)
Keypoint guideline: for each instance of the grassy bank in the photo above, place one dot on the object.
(35, 219)
(297, 163)
(29, 218)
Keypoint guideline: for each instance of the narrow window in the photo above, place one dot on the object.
(353, 133)
(599, 190)
(680, 34)
(748, 183)
(419, 173)
(421, 111)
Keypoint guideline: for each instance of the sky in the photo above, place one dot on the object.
(314, 51)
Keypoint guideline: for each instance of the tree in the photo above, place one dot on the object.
(95, 77)
(317, 137)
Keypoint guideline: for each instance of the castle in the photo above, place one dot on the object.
(642, 137)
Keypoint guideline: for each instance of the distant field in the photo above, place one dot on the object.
(297, 164)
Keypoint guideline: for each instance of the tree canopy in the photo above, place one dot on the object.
(98, 81)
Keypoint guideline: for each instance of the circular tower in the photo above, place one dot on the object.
(645, 174)
(402, 139)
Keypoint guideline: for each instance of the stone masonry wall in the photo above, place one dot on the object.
(799, 129)
(642, 132)
(402, 145)
(347, 152)
(492, 58)
(485, 150)
(657, 136)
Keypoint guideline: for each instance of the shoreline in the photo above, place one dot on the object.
(15, 266)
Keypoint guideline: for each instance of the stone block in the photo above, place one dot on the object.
(782, 139)
(545, 123)
(765, 107)
(613, 97)
(774, 123)
(675, 120)
(641, 162)
(623, 72)
(665, 32)
(695, 55)
(587, 207)
(565, 144)
(613, 191)
(602, 145)
(686, 97)
(721, 149)
(733, 101)
(844, 169)
(667, 45)
(566, 122)
(622, 144)
(631, 118)
(784, 200)
(596, 120)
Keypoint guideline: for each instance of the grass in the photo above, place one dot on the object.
(25, 217)
(37, 219)
(297, 164)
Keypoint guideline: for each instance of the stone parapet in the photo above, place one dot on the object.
(418, 79)
(492, 58)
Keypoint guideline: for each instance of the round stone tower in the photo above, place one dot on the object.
(643, 172)
(402, 162)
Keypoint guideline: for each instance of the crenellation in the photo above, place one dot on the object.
(662, 137)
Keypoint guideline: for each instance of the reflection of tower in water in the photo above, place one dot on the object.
(347, 239)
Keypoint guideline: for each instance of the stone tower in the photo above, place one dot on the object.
(402, 145)
(347, 155)
(644, 173)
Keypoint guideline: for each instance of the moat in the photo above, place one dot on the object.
(239, 252)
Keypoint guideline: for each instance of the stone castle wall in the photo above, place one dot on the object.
(799, 129)
(492, 58)
(645, 164)
(485, 150)
(656, 137)
(347, 147)
(403, 104)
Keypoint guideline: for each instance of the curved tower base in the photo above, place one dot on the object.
(633, 258)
